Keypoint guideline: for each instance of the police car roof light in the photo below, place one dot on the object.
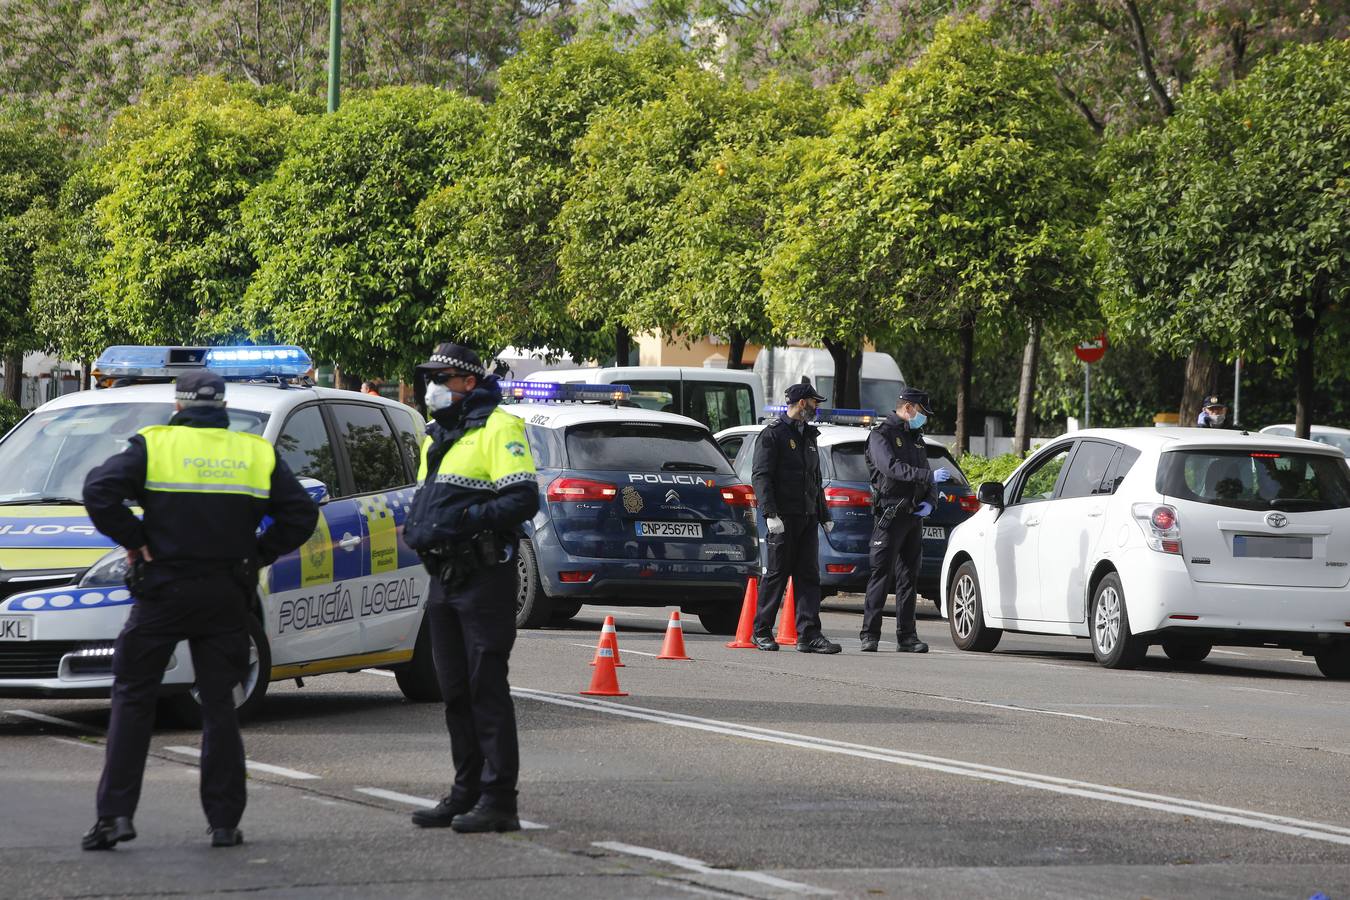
(830, 416)
(551, 392)
(161, 363)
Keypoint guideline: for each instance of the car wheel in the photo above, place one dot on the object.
(563, 612)
(417, 677)
(966, 617)
(1186, 650)
(720, 619)
(533, 606)
(186, 708)
(1114, 646)
(1334, 662)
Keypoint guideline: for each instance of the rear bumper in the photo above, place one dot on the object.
(651, 582)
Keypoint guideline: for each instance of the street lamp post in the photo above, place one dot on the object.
(334, 54)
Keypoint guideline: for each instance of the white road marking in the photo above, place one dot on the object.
(621, 612)
(52, 720)
(702, 868)
(622, 650)
(1301, 828)
(1253, 690)
(1030, 709)
(75, 743)
(427, 803)
(379, 672)
(1228, 653)
(256, 766)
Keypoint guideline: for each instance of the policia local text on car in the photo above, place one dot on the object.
(478, 486)
(194, 560)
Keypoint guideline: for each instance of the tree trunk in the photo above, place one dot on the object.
(853, 390)
(85, 366)
(1305, 335)
(14, 376)
(344, 382)
(1145, 54)
(1026, 388)
(1201, 372)
(965, 333)
(736, 351)
(844, 373)
(622, 345)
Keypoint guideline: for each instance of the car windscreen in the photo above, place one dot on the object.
(1340, 441)
(48, 455)
(850, 463)
(1256, 479)
(644, 446)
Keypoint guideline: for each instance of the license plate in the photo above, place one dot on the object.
(934, 533)
(1266, 546)
(16, 628)
(670, 529)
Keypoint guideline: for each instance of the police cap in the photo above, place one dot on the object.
(200, 387)
(803, 391)
(917, 397)
(1213, 400)
(449, 355)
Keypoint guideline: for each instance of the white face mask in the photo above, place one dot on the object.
(440, 397)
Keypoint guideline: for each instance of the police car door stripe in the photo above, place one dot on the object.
(189, 487)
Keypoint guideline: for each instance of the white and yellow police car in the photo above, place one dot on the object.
(351, 598)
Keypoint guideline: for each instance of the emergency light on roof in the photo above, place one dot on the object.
(549, 392)
(865, 417)
(159, 363)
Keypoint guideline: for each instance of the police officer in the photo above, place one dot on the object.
(194, 559)
(478, 486)
(903, 494)
(788, 487)
(1213, 414)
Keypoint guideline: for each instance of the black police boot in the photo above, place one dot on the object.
(764, 642)
(869, 642)
(442, 814)
(484, 818)
(226, 837)
(817, 644)
(108, 832)
(910, 643)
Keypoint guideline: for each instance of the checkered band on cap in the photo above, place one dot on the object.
(462, 365)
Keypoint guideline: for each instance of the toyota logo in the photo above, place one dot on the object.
(1277, 520)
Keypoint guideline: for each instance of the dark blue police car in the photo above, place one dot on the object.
(638, 508)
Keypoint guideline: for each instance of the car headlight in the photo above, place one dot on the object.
(109, 571)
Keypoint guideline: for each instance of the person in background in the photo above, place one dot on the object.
(1213, 414)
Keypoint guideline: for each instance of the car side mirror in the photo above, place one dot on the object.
(991, 494)
(317, 490)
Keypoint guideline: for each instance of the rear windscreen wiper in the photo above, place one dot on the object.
(687, 467)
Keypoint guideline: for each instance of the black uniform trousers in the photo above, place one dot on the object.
(208, 611)
(472, 632)
(895, 553)
(793, 554)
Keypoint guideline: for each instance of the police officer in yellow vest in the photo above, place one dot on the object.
(478, 486)
(194, 559)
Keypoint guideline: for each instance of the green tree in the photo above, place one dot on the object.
(32, 167)
(178, 166)
(491, 248)
(1229, 221)
(333, 233)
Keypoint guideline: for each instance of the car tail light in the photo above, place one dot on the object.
(969, 503)
(739, 495)
(575, 577)
(1161, 526)
(846, 496)
(840, 568)
(572, 490)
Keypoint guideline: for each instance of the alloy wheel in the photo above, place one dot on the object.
(963, 606)
(1106, 622)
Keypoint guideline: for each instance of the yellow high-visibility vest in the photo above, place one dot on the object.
(182, 459)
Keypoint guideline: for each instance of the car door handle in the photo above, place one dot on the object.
(1095, 513)
(1032, 523)
(349, 542)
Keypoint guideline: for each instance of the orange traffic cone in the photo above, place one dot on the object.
(745, 629)
(608, 638)
(673, 648)
(605, 680)
(787, 620)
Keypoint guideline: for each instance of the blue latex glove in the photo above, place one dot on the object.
(925, 510)
(941, 475)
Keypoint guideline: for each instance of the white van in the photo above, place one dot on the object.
(783, 366)
(719, 398)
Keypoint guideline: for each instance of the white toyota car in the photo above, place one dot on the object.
(1183, 537)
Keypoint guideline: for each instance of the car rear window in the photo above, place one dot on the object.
(1256, 479)
(850, 462)
(644, 446)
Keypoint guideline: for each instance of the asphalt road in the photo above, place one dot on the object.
(1028, 772)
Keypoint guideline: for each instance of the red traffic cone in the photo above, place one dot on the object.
(673, 648)
(745, 629)
(787, 620)
(605, 680)
(609, 637)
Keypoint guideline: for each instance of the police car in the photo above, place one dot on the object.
(844, 563)
(637, 507)
(352, 597)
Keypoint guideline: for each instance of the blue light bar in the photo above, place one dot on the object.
(230, 362)
(550, 392)
(829, 416)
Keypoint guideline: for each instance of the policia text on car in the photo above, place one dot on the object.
(477, 486)
(194, 560)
